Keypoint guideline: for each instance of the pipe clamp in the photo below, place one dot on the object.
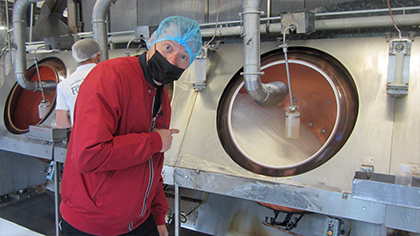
(252, 73)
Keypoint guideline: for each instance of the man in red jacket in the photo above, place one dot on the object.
(112, 182)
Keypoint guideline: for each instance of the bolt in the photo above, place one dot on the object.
(399, 47)
(292, 108)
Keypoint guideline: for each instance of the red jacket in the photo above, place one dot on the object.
(112, 175)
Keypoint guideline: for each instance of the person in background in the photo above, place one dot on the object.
(86, 53)
(112, 182)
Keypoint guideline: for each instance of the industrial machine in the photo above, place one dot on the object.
(294, 119)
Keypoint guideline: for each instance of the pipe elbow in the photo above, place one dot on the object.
(100, 9)
(19, 18)
(24, 82)
(276, 92)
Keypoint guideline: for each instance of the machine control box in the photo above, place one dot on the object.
(47, 133)
(304, 22)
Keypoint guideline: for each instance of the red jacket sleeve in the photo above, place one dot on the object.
(98, 142)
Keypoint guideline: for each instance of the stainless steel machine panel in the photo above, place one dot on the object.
(376, 139)
(22, 142)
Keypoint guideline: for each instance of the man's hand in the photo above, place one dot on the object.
(163, 231)
(62, 118)
(166, 136)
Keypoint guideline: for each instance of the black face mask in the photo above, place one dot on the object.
(163, 71)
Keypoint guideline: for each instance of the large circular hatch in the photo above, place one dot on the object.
(21, 108)
(254, 136)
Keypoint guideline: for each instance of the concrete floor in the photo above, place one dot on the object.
(32, 211)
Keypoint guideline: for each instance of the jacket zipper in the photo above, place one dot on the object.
(149, 185)
(130, 227)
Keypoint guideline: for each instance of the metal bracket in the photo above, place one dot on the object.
(411, 35)
(198, 71)
(398, 67)
(288, 223)
(332, 227)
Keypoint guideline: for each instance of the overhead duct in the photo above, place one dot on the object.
(99, 25)
(19, 24)
(48, 23)
(264, 94)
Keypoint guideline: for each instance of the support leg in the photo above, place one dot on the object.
(57, 170)
(177, 211)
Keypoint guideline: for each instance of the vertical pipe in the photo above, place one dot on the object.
(264, 94)
(19, 24)
(31, 22)
(7, 32)
(177, 211)
(100, 33)
(206, 12)
(72, 18)
(56, 194)
(252, 58)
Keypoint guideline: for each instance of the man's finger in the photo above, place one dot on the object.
(174, 131)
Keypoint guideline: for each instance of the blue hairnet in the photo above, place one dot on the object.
(182, 30)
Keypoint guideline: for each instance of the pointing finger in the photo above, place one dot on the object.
(174, 131)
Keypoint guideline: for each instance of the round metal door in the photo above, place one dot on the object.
(254, 136)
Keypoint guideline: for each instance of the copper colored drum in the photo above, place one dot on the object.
(21, 108)
(254, 136)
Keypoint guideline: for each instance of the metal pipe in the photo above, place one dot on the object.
(237, 30)
(127, 50)
(239, 21)
(366, 22)
(206, 11)
(251, 39)
(264, 94)
(366, 11)
(286, 61)
(326, 14)
(99, 25)
(8, 33)
(31, 23)
(19, 22)
(177, 211)
(359, 22)
(56, 193)
(329, 24)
